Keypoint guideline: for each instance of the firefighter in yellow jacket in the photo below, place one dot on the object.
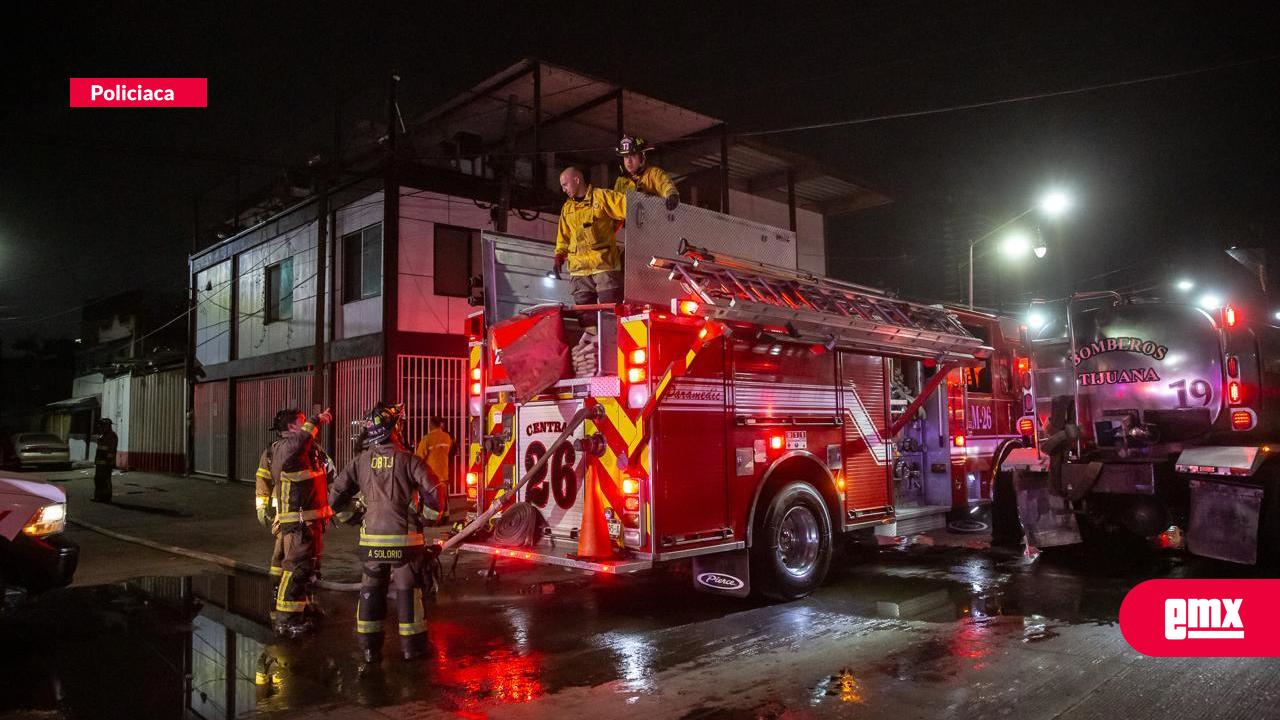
(299, 484)
(433, 449)
(587, 240)
(638, 176)
(400, 500)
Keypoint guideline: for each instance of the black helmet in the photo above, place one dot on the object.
(284, 419)
(631, 144)
(381, 422)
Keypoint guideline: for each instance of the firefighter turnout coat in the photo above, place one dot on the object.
(588, 230)
(652, 180)
(400, 495)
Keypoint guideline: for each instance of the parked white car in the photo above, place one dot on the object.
(34, 553)
(42, 450)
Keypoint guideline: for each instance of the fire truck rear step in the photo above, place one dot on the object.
(560, 555)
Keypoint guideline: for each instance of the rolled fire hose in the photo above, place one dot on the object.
(578, 418)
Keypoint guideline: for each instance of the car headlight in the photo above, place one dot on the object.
(47, 520)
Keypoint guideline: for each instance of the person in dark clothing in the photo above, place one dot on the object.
(400, 497)
(104, 461)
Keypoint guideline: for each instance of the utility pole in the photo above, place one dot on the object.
(390, 247)
(506, 168)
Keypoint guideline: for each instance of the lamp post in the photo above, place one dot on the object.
(1052, 204)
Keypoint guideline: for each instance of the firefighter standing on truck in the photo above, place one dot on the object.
(265, 501)
(586, 239)
(400, 499)
(299, 483)
(433, 449)
(638, 176)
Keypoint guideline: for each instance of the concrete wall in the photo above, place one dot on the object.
(255, 335)
(213, 314)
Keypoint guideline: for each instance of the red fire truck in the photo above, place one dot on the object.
(738, 414)
(947, 452)
(990, 409)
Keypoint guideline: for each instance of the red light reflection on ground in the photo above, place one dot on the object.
(472, 681)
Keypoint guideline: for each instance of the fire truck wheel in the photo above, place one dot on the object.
(791, 551)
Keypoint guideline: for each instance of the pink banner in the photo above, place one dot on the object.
(140, 92)
(1203, 618)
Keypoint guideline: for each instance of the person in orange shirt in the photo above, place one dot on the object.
(433, 449)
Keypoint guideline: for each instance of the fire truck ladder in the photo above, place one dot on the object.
(814, 309)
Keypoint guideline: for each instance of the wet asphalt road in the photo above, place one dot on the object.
(918, 632)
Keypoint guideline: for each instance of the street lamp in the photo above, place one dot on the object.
(1053, 204)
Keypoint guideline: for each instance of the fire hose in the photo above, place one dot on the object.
(585, 413)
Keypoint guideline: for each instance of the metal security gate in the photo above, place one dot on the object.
(211, 428)
(432, 385)
(358, 389)
(257, 402)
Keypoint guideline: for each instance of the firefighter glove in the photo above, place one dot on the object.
(673, 202)
(559, 265)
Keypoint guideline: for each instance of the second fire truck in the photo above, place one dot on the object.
(738, 413)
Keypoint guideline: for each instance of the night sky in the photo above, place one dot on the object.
(1165, 173)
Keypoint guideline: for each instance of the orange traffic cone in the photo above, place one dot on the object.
(593, 537)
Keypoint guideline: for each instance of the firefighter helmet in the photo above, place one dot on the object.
(381, 422)
(631, 144)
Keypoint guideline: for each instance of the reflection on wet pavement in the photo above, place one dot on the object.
(156, 646)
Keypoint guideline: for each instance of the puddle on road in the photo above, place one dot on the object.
(156, 647)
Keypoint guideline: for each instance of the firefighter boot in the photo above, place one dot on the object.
(370, 652)
(292, 625)
(413, 647)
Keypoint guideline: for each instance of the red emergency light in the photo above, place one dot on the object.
(958, 441)
(685, 307)
(1230, 316)
(630, 486)
(475, 373)
(1243, 419)
(635, 375)
(638, 357)
(1233, 392)
(475, 388)
(776, 442)
(1024, 364)
(1026, 425)
(1233, 366)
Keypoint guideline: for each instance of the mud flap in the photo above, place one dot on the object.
(725, 573)
(1224, 521)
(1047, 518)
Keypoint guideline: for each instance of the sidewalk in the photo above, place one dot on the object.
(199, 514)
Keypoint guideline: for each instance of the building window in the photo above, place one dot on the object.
(362, 264)
(280, 291)
(452, 260)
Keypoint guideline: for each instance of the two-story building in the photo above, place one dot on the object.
(371, 287)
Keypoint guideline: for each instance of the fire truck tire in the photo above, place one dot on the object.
(792, 546)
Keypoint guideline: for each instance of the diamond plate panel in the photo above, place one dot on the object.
(652, 231)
